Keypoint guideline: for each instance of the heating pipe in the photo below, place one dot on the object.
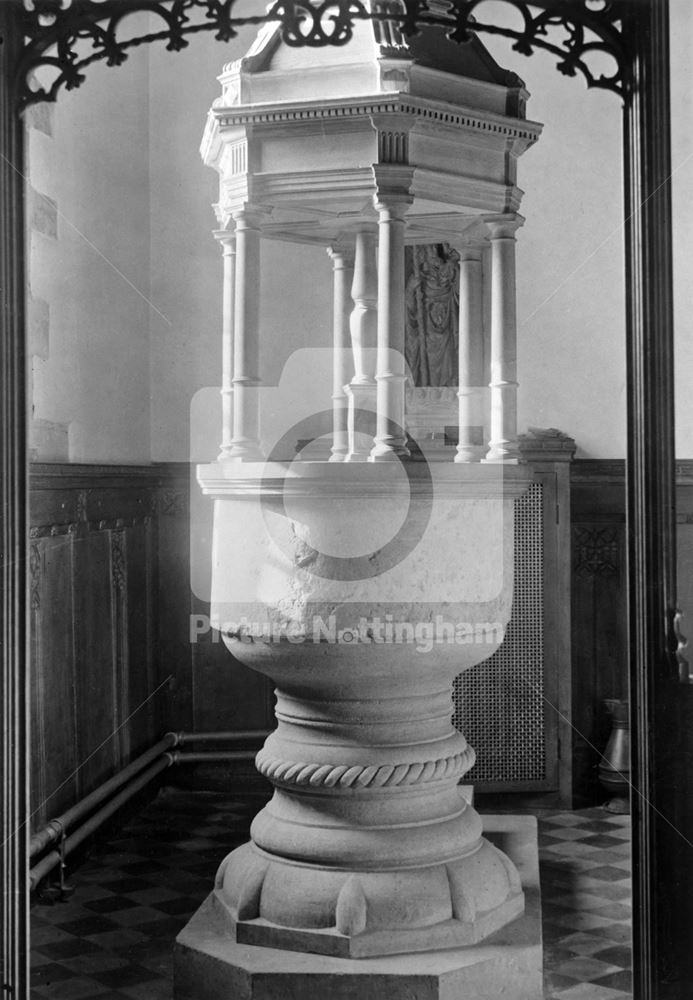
(56, 827)
(213, 755)
(245, 736)
(163, 757)
(53, 858)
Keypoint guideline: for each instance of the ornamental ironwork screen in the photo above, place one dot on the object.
(509, 686)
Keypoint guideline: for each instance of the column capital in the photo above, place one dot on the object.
(249, 217)
(227, 239)
(394, 204)
(468, 251)
(341, 254)
(503, 227)
(392, 188)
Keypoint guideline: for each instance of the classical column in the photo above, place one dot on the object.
(228, 246)
(245, 445)
(503, 443)
(343, 276)
(390, 439)
(361, 391)
(470, 446)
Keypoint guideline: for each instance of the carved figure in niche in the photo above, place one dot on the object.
(432, 300)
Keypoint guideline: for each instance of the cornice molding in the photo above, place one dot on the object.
(411, 109)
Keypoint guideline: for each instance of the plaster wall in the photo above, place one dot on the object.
(186, 263)
(89, 243)
(571, 362)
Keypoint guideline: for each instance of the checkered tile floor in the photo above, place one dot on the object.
(112, 940)
(584, 863)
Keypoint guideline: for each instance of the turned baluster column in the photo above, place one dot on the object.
(343, 276)
(390, 438)
(361, 391)
(470, 447)
(503, 444)
(245, 446)
(228, 246)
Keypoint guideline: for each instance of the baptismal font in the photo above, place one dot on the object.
(363, 577)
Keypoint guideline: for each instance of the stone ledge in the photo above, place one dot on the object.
(210, 966)
(375, 480)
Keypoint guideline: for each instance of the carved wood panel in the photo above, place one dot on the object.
(599, 617)
(112, 663)
(94, 664)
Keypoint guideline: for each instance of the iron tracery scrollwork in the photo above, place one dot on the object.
(55, 31)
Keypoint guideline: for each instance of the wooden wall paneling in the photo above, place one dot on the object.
(157, 720)
(120, 671)
(37, 758)
(173, 598)
(55, 773)
(141, 682)
(599, 614)
(599, 643)
(99, 750)
(98, 524)
(600, 659)
(54, 781)
(101, 525)
(227, 694)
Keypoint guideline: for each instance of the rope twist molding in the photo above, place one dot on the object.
(364, 775)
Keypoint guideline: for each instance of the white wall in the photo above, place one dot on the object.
(185, 261)
(123, 373)
(570, 252)
(186, 266)
(571, 302)
(91, 277)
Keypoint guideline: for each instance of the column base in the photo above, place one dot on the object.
(501, 458)
(243, 455)
(470, 453)
(387, 453)
(210, 965)
(361, 418)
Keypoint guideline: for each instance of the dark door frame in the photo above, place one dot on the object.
(636, 32)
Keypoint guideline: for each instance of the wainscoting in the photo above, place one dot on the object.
(599, 603)
(111, 659)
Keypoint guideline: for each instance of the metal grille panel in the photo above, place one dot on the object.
(498, 704)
